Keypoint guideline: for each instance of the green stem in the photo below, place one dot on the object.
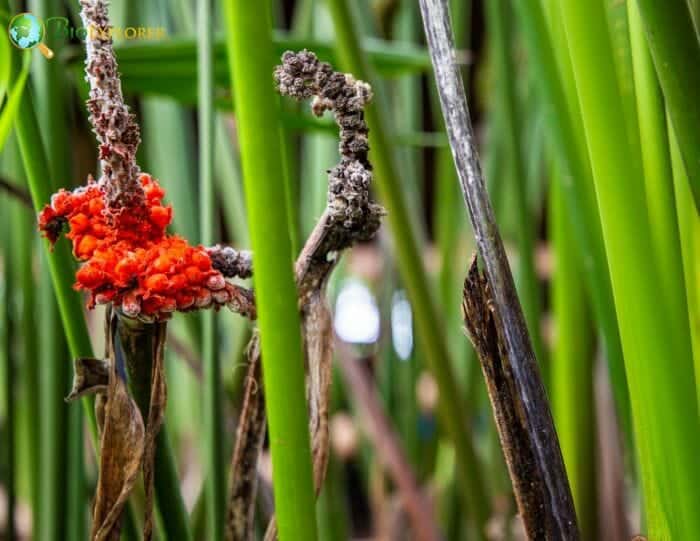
(251, 54)
(502, 50)
(168, 493)
(676, 52)
(453, 412)
(648, 338)
(656, 159)
(689, 229)
(213, 426)
(26, 350)
(572, 365)
(9, 390)
(57, 480)
(567, 140)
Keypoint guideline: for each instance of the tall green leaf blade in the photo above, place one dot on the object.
(666, 428)
(9, 111)
(676, 51)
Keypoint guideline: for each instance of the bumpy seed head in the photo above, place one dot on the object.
(129, 260)
(301, 75)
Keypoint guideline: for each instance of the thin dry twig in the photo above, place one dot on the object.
(350, 217)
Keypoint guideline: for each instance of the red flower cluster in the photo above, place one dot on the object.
(129, 258)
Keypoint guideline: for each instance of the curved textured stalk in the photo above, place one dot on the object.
(676, 52)
(251, 54)
(428, 321)
(651, 328)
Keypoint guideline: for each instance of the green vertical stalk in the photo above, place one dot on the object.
(453, 412)
(676, 51)
(620, 39)
(26, 351)
(572, 365)
(60, 259)
(213, 426)
(651, 328)
(554, 77)
(497, 17)
(57, 479)
(656, 159)
(407, 113)
(689, 229)
(8, 357)
(407, 104)
(249, 40)
(76, 511)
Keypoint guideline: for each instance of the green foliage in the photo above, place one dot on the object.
(667, 439)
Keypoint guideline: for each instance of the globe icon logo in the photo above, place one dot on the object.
(27, 31)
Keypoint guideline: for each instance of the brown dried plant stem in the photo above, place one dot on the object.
(534, 419)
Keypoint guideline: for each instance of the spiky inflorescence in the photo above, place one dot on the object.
(113, 124)
(118, 224)
(301, 75)
(135, 264)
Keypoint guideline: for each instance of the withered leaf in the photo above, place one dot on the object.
(143, 346)
(90, 376)
(121, 444)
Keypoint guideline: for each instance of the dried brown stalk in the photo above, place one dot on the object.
(122, 432)
(350, 217)
(528, 392)
(528, 485)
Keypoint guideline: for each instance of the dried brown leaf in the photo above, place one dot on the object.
(121, 444)
(90, 376)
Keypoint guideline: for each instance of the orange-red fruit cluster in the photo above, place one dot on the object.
(129, 259)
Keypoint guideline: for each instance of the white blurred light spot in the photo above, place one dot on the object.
(356, 314)
(401, 325)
